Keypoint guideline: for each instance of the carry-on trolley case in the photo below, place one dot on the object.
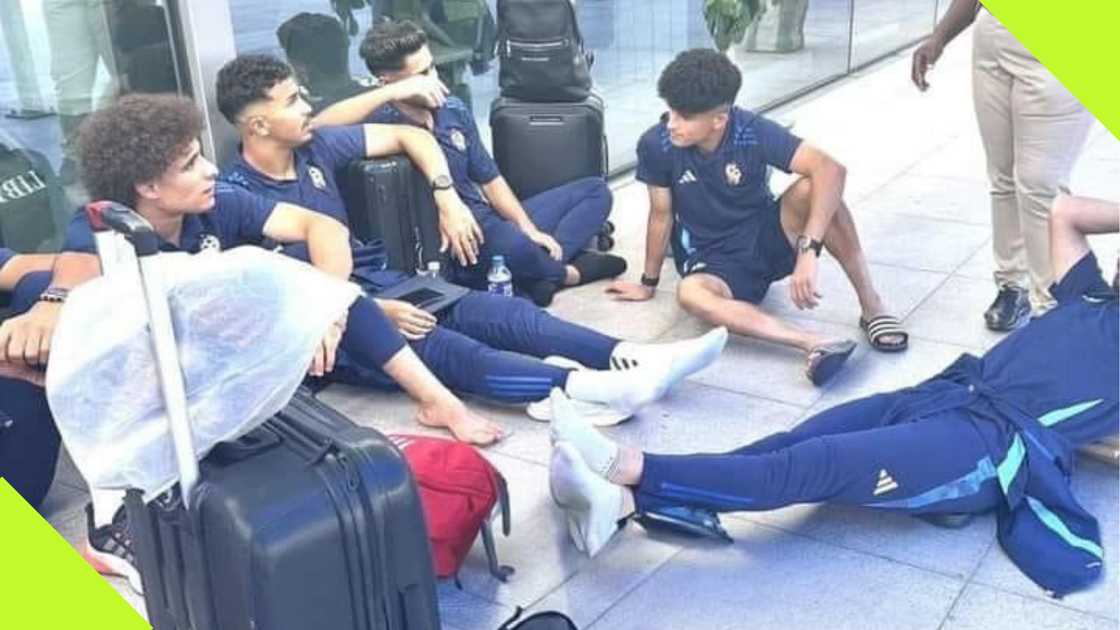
(538, 146)
(307, 522)
(389, 199)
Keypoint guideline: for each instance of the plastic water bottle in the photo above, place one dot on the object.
(499, 279)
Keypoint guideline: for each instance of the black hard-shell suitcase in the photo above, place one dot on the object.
(308, 521)
(541, 145)
(390, 199)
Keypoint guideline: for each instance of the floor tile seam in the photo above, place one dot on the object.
(938, 219)
(862, 552)
(1043, 598)
(728, 390)
(660, 567)
(929, 295)
(906, 169)
(968, 582)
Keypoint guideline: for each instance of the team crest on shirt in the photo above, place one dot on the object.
(458, 139)
(732, 173)
(317, 178)
(209, 243)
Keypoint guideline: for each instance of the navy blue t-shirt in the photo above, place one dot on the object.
(1064, 366)
(5, 255)
(315, 186)
(719, 197)
(237, 218)
(470, 163)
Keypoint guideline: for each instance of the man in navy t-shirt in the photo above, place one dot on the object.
(487, 345)
(28, 439)
(707, 166)
(542, 238)
(991, 433)
(143, 152)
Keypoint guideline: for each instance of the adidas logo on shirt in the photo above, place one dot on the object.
(886, 483)
(687, 177)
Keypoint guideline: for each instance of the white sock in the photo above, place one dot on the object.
(684, 357)
(105, 505)
(626, 391)
(599, 453)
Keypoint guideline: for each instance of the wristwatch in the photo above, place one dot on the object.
(57, 295)
(650, 282)
(806, 243)
(442, 182)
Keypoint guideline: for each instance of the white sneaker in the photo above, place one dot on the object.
(598, 414)
(592, 505)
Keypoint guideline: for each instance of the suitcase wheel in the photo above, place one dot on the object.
(604, 242)
(608, 228)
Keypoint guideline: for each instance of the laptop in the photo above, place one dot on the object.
(428, 293)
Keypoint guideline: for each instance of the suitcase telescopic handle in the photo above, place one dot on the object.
(108, 216)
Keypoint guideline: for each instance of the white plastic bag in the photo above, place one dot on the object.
(247, 323)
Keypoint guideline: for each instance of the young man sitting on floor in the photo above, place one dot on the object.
(29, 441)
(484, 344)
(542, 238)
(990, 433)
(707, 165)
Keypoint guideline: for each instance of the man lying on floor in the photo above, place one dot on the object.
(990, 433)
(487, 345)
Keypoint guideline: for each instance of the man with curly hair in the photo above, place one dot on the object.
(487, 345)
(144, 152)
(706, 165)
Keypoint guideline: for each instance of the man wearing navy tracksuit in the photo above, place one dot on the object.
(29, 442)
(484, 344)
(542, 238)
(988, 433)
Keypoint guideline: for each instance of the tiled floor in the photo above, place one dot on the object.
(916, 188)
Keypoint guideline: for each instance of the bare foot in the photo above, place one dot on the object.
(463, 423)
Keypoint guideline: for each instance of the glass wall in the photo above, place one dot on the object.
(788, 48)
(60, 60)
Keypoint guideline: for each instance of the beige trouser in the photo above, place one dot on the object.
(1033, 130)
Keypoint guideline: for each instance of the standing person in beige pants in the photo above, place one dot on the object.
(1033, 130)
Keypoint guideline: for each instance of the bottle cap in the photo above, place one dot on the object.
(433, 266)
(498, 259)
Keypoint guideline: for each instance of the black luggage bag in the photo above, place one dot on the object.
(308, 521)
(390, 199)
(539, 146)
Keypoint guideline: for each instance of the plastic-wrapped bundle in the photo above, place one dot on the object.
(247, 323)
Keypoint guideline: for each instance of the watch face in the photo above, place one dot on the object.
(441, 182)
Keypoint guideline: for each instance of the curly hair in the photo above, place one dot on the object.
(387, 43)
(134, 141)
(699, 80)
(247, 79)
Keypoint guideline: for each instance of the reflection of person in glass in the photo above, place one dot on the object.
(318, 49)
(79, 36)
(1033, 130)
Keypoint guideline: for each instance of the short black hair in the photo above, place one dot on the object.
(317, 42)
(699, 80)
(388, 42)
(133, 142)
(246, 80)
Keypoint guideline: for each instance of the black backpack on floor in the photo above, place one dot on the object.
(540, 51)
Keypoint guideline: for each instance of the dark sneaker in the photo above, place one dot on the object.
(108, 548)
(1010, 310)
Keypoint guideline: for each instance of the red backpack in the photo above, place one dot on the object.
(459, 490)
